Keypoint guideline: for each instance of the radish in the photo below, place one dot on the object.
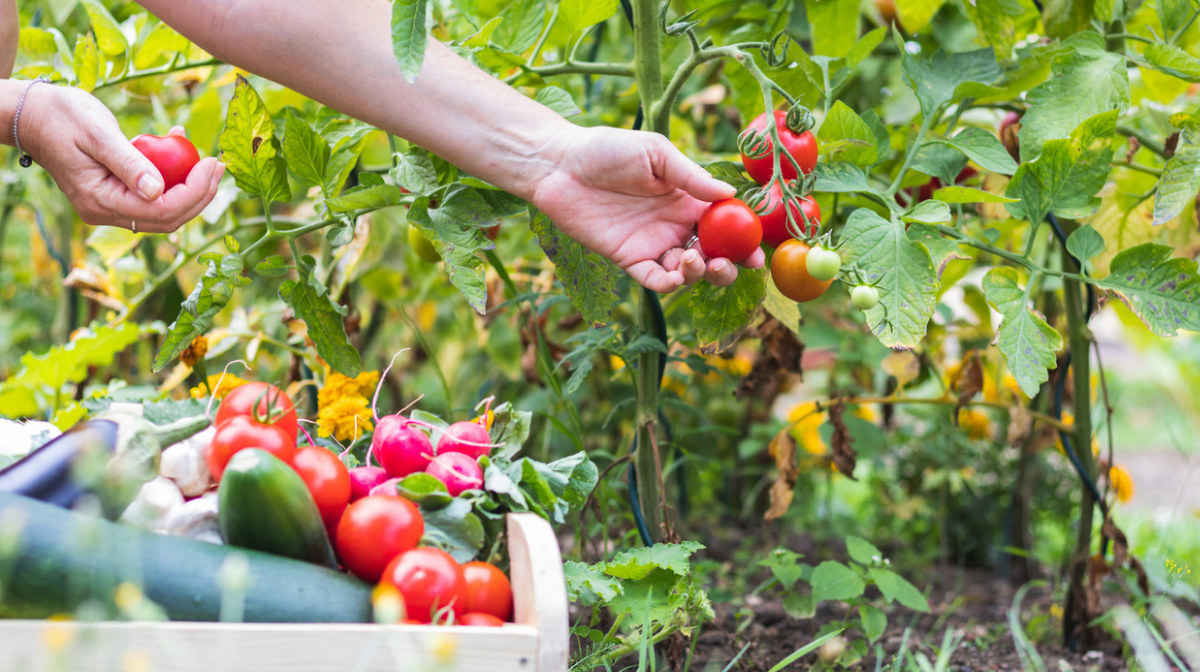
(468, 438)
(400, 446)
(363, 479)
(386, 488)
(458, 471)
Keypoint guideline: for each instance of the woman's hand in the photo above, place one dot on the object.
(634, 198)
(77, 140)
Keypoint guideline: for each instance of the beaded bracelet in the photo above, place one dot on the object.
(26, 160)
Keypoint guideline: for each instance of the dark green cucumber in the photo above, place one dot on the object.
(265, 505)
(61, 559)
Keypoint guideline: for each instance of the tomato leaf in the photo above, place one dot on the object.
(841, 177)
(1067, 174)
(834, 581)
(935, 79)
(832, 21)
(941, 249)
(590, 280)
(324, 321)
(721, 314)
(211, 294)
(409, 36)
(306, 152)
(1180, 179)
(895, 587)
(109, 37)
(578, 15)
(1173, 14)
(455, 228)
(382, 196)
(162, 41)
(940, 161)
(970, 195)
(983, 148)
(928, 212)
(1162, 290)
(520, 26)
(843, 123)
(914, 15)
(414, 171)
(558, 100)
(900, 268)
(250, 149)
(1084, 243)
(1026, 341)
(86, 62)
(1171, 60)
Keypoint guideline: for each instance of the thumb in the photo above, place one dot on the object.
(130, 166)
(682, 172)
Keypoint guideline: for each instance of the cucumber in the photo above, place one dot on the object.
(60, 559)
(265, 505)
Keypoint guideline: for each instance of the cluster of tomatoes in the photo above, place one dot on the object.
(376, 531)
(733, 230)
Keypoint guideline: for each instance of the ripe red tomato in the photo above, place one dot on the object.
(774, 223)
(265, 404)
(430, 580)
(374, 530)
(327, 479)
(790, 272)
(802, 147)
(729, 229)
(241, 432)
(480, 619)
(173, 155)
(488, 590)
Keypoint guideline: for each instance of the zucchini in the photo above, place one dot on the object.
(110, 456)
(265, 505)
(61, 559)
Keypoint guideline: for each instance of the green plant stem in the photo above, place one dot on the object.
(1183, 29)
(1131, 36)
(912, 154)
(573, 68)
(162, 278)
(164, 70)
(1157, 172)
(537, 48)
(1010, 256)
(1143, 139)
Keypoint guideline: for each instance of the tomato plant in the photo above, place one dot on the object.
(789, 271)
(802, 147)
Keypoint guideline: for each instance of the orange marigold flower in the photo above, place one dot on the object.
(1122, 482)
(194, 352)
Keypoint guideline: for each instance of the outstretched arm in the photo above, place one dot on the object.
(10, 35)
(630, 196)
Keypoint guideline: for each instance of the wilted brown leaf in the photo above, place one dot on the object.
(844, 455)
(969, 381)
(780, 350)
(783, 449)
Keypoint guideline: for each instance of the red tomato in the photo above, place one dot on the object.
(488, 590)
(729, 229)
(327, 479)
(802, 147)
(480, 619)
(241, 432)
(173, 155)
(374, 530)
(266, 404)
(430, 580)
(789, 270)
(774, 223)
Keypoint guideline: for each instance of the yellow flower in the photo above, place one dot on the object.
(195, 351)
(975, 423)
(338, 386)
(1122, 482)
(491, 417)
(346, 418)
(806, 427)
(227, 385)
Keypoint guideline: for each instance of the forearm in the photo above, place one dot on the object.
(10, 35)
(340, 54)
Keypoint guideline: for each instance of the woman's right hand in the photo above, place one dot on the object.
(77, 140)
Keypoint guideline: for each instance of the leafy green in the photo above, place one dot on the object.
(1026, 341)
(589, 279)
(834, 581)
(843, 123)
(1067, 174)
(409, 36)
(895, 587)
(1180, 179)
(934, 80)
(250, 149)
(324, 319)
(1162, 290)
(983, 148)
(211, 294)
(721, 314)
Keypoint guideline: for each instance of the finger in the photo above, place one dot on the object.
(652, 276)
(129, 165)
(199, 207)
(756, 260)
(692, 266)
(674, 167)
(721, 273)
(171, 206)
(178, 130)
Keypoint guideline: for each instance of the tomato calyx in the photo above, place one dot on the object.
(274, 410)
(800, 119)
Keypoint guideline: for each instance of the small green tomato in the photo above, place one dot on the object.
(823, 264)
(864, 297)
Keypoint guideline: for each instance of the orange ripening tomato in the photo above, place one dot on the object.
(789, 270)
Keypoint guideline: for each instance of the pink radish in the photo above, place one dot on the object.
(468, 438)
(459, 472)
(386, 488)
(400, 446)
(363, 479)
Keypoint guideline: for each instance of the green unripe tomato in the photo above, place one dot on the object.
(823, 264)
(864, 297)
(421, 245)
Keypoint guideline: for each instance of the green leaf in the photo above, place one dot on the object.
(843, 123)
(483, 35)
(1084, 243)
(914, 15)
(900, 268)
(382, 196)
(834, 581)
(1067, 174)
(589, 584)
(455, 529)
(1180, 180)
(161, 41)
(983, 148)
(250, 149)
(895, 587)
(510, 429)
(109, 37)
(424, 490)
(409, 36)
(521, 25)
(306, 152)
(414, 170)
(940, 161)
(1086, 81)
(455, 228)
(970, 195)
(1171, 60)
(1173, 14)
(589, 279)
(211, 294)
(874, 621)
(996, 21)
(1026, 341)
(935, 80)
(1162, 290)
(69, 363)
(840, 177)
(578, 15)
(1108, 11)
(864, 46)
(786, 567)
(721, 314)
(558, 100)
(1064, 18)
(637, 563)
(36, 43)
(169, 410)
(929, 212)
(941, 250)
(325, 326)
(832, 21)
(862, 551)
(87, 62)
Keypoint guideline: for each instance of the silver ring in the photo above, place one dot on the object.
(686, 246)
(133, 225)
(691, 241)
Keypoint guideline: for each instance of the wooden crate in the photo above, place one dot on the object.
(536, 642)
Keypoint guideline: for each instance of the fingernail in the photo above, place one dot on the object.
(149, 186)
(718, 266)
(690, 257)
